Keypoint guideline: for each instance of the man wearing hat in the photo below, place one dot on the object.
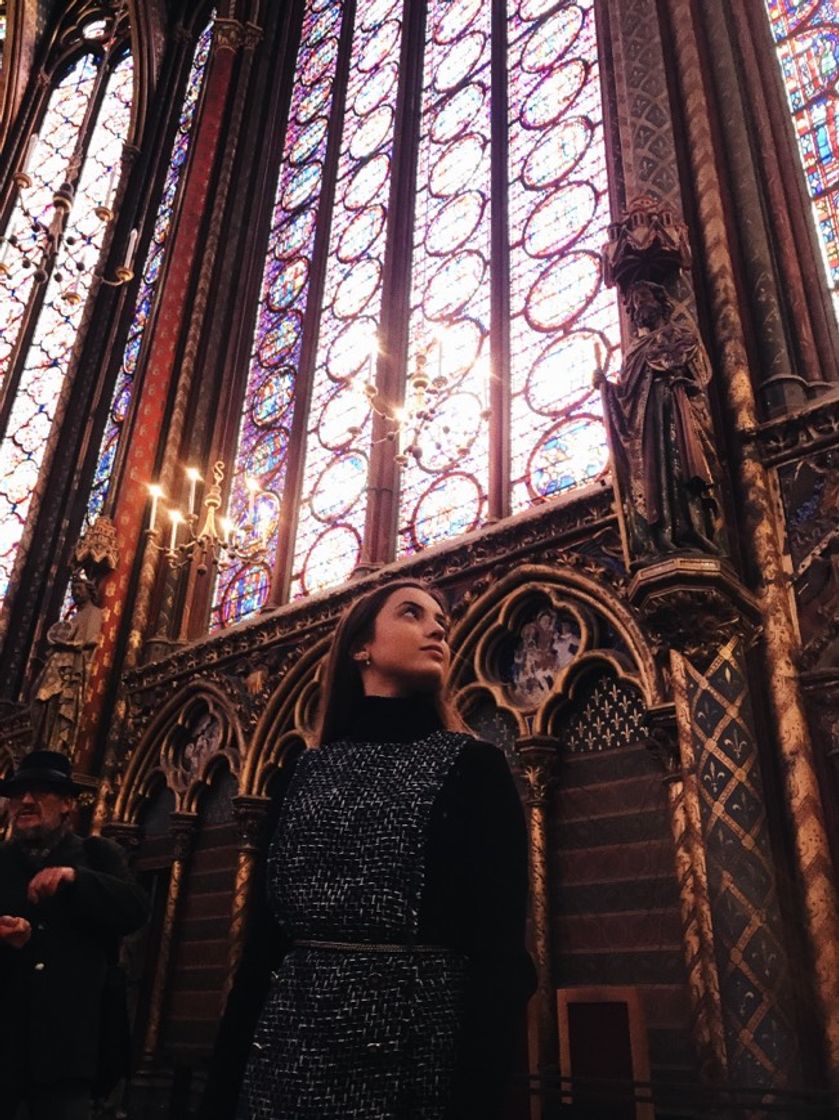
(65, 903)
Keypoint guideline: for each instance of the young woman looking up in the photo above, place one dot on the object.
(396, 888)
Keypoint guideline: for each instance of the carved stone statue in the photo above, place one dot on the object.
(660, 432)
(59, 692)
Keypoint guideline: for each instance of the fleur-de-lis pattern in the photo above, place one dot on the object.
(751, 957)
(607, 715)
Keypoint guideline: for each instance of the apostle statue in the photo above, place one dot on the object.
(59, 692)
(660, 433)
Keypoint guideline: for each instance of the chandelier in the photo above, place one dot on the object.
(50, 249)
(218, 542)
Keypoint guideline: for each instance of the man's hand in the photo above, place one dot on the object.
(47, 882)
(14, 932)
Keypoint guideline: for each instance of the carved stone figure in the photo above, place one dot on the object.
(660, 432)
(59, 692)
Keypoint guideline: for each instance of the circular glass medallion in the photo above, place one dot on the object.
(460, 345)
(549, 41)
(307, 142)
(356, 289)
(319, 61)
(362, 231)
(570, 453)
(339, 487)
(280, 339)
(459, 61)
(454, 223)
(331, 558)
(548, 101)
(561, 376)
(267, 454)
(559, 220)
(351, 348)
(453, 284)
(273, 397)
(313, 101)
(379, 47)
(563, 291)
(119, 409)
(294, 236)
(372, 132)
(458, 113)
(302, 186)
(455, 18)
(373, 93)
(287, 284)
(366, 183)
(376, 12)
(457, 166)
(557, 153)
(450, 506)
(245, 594)
(343, 417)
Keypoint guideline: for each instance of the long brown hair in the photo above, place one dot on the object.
(342, 689)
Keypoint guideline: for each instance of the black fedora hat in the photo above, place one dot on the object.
(41, 768)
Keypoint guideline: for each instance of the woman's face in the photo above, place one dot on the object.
(408, 652)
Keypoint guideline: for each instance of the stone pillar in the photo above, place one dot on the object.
(538, 768)
(250, 814)
(692, 878)
(183, 829)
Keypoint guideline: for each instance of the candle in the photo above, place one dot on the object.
(599, 356)
(194, 477)
(226, 528)
(132, 245)
(109, 193)
(156, 495)
(175, 518)
(32, 144)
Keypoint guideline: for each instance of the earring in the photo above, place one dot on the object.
(363, 656)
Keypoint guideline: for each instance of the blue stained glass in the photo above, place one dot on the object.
(806, 37)
(123, 391)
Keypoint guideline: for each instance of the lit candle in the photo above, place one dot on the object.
(132, 245)
(226, 528)
(176, 519)
(194, 477)
(32, 144)
(156, 495)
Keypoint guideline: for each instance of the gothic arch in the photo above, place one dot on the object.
(201, 717)
(287, 721)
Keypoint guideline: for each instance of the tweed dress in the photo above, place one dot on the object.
(352, 1029)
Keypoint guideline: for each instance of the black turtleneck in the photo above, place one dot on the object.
(474, 900)
(393, 719)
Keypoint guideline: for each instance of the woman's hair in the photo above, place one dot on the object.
(342, 689)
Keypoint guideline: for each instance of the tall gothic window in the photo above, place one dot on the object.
(2, 32)
(151, 273)
(445, 214)
(807, 41)
(42, 297)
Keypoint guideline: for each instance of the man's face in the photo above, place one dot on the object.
(38, 811)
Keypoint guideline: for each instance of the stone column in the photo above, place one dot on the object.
(538, 768)
(183, 828)
(250, 814)
(695, 907)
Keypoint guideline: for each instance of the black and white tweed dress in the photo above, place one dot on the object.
(362, 1033)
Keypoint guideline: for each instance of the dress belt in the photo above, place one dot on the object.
(367, 947)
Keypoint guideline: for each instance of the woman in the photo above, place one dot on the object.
(397, 875)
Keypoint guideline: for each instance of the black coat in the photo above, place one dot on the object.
(52, 987)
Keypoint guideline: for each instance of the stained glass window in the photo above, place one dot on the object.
(497, 233)
(151, 272)
(56, 303)
(2, 32)
(806, 34)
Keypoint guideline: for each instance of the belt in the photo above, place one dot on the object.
(367, 947)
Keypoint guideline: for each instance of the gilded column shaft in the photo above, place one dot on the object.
(250, 817)
(821, 912)
(697, 937)
(539, 772)
(183, 832)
